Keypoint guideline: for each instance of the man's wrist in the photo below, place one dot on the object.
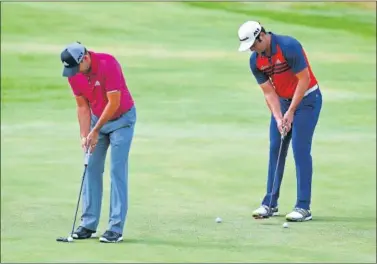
(96, 129)
(278, 117)
(291, 110)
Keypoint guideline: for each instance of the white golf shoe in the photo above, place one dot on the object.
(299, 215)
(265, 210)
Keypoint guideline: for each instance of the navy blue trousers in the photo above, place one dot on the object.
(303, 126)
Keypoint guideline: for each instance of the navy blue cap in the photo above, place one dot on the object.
(71, 57)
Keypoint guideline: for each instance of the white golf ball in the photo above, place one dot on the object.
(285, 225)
(70, 239)
(218, 220)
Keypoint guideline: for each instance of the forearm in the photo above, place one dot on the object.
(83, 114)
(301, 88)
(108, 112)
(273, 103)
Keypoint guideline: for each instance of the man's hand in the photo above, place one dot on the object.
(91, 140)
(288, 120)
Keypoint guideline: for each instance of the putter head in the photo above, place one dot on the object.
(267, 215)
(64, 239)
(262, 216)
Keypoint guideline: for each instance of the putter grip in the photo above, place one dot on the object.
(86, 159)
(284, 132)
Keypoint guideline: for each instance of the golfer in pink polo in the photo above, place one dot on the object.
(107, 117)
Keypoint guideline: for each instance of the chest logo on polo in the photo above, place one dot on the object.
(97, 83)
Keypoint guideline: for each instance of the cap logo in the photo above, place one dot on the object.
(244, 39)
(79, 57)
(65, 63)
(256, 32)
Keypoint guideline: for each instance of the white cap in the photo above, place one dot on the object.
(247, 33)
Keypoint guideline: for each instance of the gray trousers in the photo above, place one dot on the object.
(118, 134)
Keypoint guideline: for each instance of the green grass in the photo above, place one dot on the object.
(201, 141)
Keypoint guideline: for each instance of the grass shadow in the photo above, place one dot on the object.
(186, 244)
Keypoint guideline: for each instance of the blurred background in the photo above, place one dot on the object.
(201, 142)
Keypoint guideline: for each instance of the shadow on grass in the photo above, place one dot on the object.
(185, 244)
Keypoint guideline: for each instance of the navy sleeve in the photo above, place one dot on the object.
(294, 54)
(259, 75)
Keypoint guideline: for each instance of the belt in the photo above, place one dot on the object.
(315, 87)
(310, 90)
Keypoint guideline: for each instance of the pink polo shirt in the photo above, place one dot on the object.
(105, 76)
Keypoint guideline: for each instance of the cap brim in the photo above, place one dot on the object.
(245, 45)
(69, 72)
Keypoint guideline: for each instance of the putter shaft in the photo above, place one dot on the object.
(269, 213)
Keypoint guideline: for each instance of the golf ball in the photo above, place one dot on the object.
(218, 220)
(285, 225)
(70, 239)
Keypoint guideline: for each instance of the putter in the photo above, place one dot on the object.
(70, 239)
(269, 213)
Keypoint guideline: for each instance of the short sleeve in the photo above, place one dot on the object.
(258, 74)
(114, 75)
(74, 86)
(294, 54)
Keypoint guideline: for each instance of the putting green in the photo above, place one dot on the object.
(201, 142)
